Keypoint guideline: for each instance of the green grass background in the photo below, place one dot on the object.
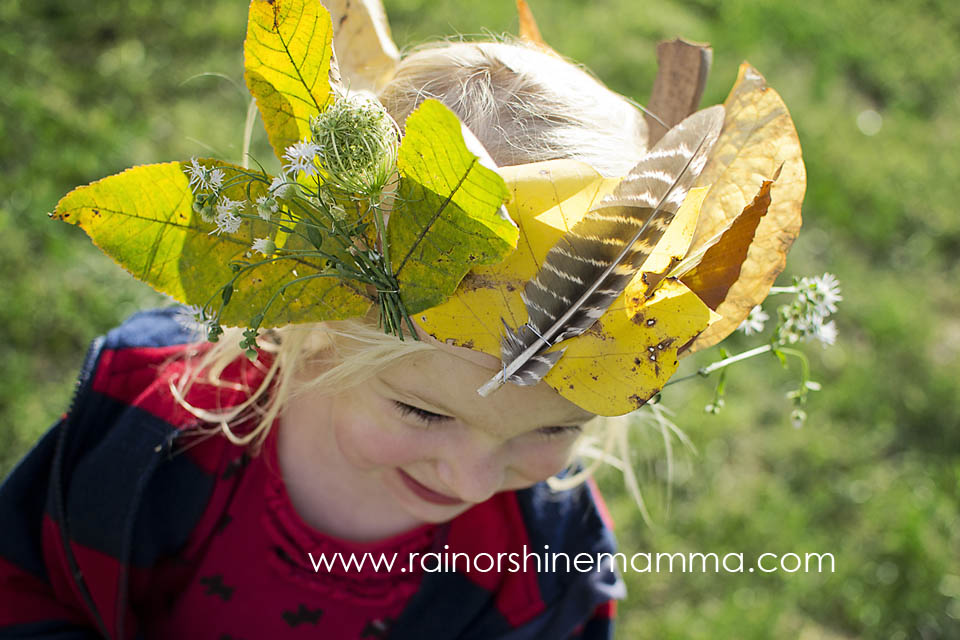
(90, 88)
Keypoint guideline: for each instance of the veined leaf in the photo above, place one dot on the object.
(610, 369)
(719, 266)
(287, 65)
(593, 263)
(758, 137)
(365, 50)
(143, 218)
(446, 217)
(682, 70)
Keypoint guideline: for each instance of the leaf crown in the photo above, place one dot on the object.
(619, 276)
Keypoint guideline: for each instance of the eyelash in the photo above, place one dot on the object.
(428, 417)
(423, 415)
(557, 432)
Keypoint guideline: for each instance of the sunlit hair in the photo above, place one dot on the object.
(524, 105)
(339, 355)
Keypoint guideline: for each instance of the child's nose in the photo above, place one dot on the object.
(473, 473)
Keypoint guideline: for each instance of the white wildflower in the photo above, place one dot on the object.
(714, 407)
(301, 156)
(198, 175)
(266, 206)
(193, 319)
(826, 332)
(266, 246)
(798, 417)
(755, 321)
(794, 324)
(189, 316)
(826, 293)
(215, 179)
(228, 218)
(283, 188)
(203, 179)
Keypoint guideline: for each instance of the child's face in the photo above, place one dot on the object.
(418, 439)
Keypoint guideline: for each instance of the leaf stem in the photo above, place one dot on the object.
(775, 290)
(720, 364)
(248, 133)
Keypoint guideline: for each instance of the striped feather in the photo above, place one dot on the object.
(594, 261)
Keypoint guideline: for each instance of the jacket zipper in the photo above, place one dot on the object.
(83, 383)
(162, 450)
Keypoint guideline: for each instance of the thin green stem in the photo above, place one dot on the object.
(776, 290)
(804, 362)
(720, 364)
(248, 132)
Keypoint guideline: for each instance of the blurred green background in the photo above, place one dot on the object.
(90, 88)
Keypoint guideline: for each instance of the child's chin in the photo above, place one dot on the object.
(434, 513)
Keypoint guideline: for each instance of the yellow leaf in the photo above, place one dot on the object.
(673, 245)
(448, 215)
(607, 370)
(719, 266)
(143, 218)
(287, 65)
(758, 137)
(366, 53)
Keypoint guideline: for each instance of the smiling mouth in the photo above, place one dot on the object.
(426, 493)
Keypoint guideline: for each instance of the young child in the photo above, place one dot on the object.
(344, 484)
(120, 522)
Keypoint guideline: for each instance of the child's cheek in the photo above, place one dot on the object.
(539, 462)
(370, 441)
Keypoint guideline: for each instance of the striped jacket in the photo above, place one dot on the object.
(106, 494)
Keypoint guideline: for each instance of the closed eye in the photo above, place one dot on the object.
(420, 414)
(558, 432)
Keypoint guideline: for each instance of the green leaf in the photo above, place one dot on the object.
(287, 65)
(447, 218)
(143, 219)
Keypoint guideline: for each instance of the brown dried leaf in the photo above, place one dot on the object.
(720, 265)
(529, 30)
(758, 137)
(528, 26)
(682, 69)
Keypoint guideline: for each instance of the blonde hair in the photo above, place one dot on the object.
(524, 105)
(347, 352)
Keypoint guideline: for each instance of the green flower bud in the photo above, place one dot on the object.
(358, 143)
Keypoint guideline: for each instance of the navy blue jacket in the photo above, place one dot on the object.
(106, 494)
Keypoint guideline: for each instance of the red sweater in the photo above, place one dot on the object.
(119, 524)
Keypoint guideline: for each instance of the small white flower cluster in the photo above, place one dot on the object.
(228, 218)
(755, 321)
(806, 317)
(224, 212)
(203, 179)
(266, 246)
(193, 319)
(347, 162)
(206, 184)
(301, 157)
